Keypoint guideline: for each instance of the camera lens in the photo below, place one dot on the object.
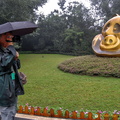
(16, 38)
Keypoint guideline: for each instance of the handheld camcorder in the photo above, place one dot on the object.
(16, 38)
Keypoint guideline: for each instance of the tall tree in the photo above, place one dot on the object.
(61, 3)
(80, 18)
(105, 9)
(51, 29)
(18, 10)
(72, 41)
(61, 30)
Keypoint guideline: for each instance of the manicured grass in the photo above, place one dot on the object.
(49, 86)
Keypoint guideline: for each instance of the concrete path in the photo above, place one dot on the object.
(33, 117)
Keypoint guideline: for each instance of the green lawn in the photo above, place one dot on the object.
(48, 86)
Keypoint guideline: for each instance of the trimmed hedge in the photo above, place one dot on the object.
(92, 65)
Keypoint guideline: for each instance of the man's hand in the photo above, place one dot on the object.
(17, 55)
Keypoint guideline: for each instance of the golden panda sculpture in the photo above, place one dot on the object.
(108, 43)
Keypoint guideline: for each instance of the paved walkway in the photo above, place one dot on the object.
(32, 117)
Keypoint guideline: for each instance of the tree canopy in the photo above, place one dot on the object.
(19, 10)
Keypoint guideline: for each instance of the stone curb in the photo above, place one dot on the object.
(33, 117)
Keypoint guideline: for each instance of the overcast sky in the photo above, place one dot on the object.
(52, 4)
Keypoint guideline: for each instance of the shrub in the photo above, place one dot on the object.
(92, 65)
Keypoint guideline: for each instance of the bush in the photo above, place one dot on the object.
(92, 65)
